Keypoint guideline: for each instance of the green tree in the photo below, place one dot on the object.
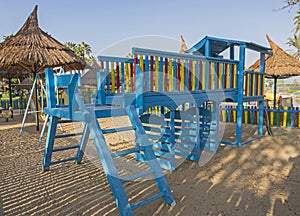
(5, 37)
(82, 50)
(295, 43)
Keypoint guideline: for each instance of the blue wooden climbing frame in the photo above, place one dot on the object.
(172, 100)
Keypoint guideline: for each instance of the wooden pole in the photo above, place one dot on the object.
(36, 100)
(10, 95)
(275, 87)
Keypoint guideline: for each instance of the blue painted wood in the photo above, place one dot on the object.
(223, 76)
(231, 52)
(123, 76)
(108, 71)
(67, 135)
(109, 166)
(174, 74)
(150, 199)
(114, 59)
(207, 74)
(62, 160)
(50, 88)
(207, 48)
(115, 130)
(241, 67)
(136, 176)
(49, 142)
(252, 115)
(82, 145)
(172, 138)
(101, 82)
(160, 75)
(127, 151)
(64, 148)
(150, 157)
(292, 116)
(164, 54)
(139, 89)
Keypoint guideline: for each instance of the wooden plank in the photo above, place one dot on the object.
(151, 73)
(117, 77)
(156, 73)
(113, 78)
(170, 75)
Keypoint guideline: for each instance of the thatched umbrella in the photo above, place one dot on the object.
(183, 47)
(33, 50)
(280, 65)
(89, 79)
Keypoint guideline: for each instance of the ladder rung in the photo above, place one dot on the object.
(63, 160)
(114, 130)
(65, 121)
(143, 202)
(137, 175)
(67, 135)
(64, 148)
(126, 152)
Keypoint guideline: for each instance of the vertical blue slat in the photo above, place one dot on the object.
(108, 76)
(252, 114)
(160, 75)
(139, 89)
(172, 136)
(207, 65)
(250, 83)
(240, 88)
(186, 75)
(174, 74)
(207, 48)
(50, 88)
(101, 81)
(231, 55)
(123, 76)
(261, 104)
(292, 116)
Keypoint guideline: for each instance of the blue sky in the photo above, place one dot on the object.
(102, 23)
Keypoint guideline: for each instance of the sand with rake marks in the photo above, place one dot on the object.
(262, 178)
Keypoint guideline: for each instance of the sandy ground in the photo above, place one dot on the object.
(262, 178)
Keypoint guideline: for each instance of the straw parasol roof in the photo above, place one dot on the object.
(183, 47)
(89, 79)
(280, 65)
(33, 50)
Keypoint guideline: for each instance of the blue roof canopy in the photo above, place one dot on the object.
(218, 45)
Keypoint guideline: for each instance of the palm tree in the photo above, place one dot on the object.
(295, 42)
(5, 37)
(72, 46)
(297, 21)
(82, 50)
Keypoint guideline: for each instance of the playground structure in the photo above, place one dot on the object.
(173, 103)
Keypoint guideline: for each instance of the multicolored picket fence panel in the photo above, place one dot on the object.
(282, 116)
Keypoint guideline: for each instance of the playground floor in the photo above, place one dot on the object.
(262, 178)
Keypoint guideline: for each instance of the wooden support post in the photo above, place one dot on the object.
(49, 143)
(101, 81)
(240, 89)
